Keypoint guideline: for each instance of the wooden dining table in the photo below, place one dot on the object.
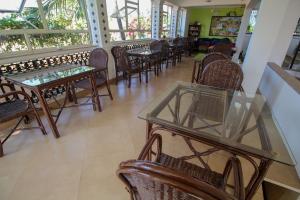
(232, 121)
(39, 81)
(144, 55)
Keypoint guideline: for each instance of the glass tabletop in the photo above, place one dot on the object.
(142, 52)
(43, 76)
(233, 119)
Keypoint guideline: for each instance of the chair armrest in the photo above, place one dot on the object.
(10, 86)
(148, 147)
(16, 93)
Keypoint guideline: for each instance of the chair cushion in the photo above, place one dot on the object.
(208, 176)
(12, 109)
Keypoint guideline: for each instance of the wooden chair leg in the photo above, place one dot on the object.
(74, 93)
(140, 76)
(108, 89)
(129, 80)
(1, 149)
(117, 78)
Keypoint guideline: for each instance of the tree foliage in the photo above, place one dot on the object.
(60, 15)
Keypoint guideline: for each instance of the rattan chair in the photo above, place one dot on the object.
(167, 55)
(98, 59)
(16, 105)
(199, 66)
(125, 65)
(169, 178)
(155, 61)
(223, 74)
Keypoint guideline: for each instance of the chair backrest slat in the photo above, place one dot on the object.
(148, 180)
(223, 74)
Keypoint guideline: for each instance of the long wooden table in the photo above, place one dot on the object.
(39, 81)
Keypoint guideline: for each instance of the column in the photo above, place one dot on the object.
(98, 22)
(174, 21)
(274, 29)
(243, 28)
(99, 30)
(156, 18)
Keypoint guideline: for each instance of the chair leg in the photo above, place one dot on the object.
(129, 79)
(117, 78)
(108, 89)
(140, 76)
(74, 93)
(1, 149)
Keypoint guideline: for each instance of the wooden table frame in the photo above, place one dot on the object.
(260, 168)
(259, 162)
(38, 90)
(145, 57)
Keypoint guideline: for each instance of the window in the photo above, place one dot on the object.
(252, 21)
(129, 19)
(38, 24)
(166, 21)
(181, 22)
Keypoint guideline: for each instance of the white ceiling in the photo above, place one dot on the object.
(195, 3)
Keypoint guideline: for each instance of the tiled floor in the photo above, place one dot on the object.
(81, 165)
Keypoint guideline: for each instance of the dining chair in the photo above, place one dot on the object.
(155, 60)
(125, 64)
(223, 74)
(223, 48)
(167, 54)
(98, 59)
(16, 105)
(211, 57)
(169, 178)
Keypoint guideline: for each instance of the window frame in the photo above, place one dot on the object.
(169, 17)
(45, 30)
(138, 30)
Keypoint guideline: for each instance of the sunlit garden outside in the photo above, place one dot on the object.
(42, 24)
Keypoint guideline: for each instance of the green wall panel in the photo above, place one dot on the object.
(203, 15)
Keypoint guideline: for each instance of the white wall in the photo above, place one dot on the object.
(191, 3)
(285, 106)
(290, 51)
(293, 45)
(270, 40)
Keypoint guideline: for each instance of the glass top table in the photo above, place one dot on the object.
(47, 75)
(40, 80)
(229, 118)
(142, 52)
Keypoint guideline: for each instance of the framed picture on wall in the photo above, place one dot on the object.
(225, 26)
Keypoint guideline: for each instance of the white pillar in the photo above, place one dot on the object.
(174, 21)
(98, 22)
(99, 30)
(156, 18)
(243, 30)
(273, 32)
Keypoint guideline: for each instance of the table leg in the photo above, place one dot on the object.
(47, 112)
(256, 182)
(147, 69)
(95, 91)
(194, 71)
(1, 150)
(148, 136)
